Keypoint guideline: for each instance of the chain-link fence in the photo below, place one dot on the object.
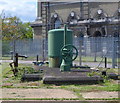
(91, 49)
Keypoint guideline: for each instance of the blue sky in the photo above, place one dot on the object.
(24, 9)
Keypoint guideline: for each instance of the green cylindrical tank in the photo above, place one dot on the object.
(55, 43)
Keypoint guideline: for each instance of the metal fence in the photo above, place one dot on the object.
(99, 47)
(92, 47)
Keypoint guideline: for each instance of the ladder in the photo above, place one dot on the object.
(45, 14)
(84, 9)
(118, 4)
(84, 14)
(119, 9)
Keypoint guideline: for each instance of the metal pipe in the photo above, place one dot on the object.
(38, 9)
(105, 62)
(43, 47)
(37, 58)
(16, 60)
(65, 34)
(80, 53)
(113, 55)
(101, 22)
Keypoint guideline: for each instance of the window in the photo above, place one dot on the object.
(72, 18)
(100, 14)
(57, 24)
(55, 21)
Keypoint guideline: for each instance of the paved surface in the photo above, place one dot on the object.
(37, 93)
(53, 93)
(91, 64)
(100, 94)
(71, 101)
(20, 61)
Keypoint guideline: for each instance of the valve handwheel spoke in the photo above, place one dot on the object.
(69, 52)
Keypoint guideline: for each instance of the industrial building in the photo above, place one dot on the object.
(85, 17)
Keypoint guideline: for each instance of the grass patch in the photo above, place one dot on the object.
(91, 59)
(107, 86)
(77, 89)
(20, 58)
(6, 58)
(8, 77)
(103, 99)
(84, 59)
(5, 69)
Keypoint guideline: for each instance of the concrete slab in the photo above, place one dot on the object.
(54, 76)
(60, 101)
(31, 77)
(36, 93)
(71, 80)
(100, 94)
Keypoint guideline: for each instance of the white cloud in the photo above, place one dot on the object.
(24, 9)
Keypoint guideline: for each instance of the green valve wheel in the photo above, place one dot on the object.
(69, 53)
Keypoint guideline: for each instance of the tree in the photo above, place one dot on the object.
(26, 30)
(13, 28)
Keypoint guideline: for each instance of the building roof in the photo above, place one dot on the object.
(37, 22)
(78, 1)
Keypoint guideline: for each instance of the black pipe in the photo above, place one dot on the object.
(16, 60)
(37, 58)
(105, 62)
